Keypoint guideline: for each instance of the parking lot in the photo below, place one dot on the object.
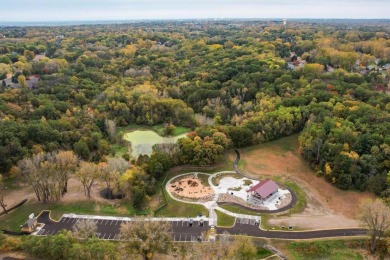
(185, 229)
(108, 228)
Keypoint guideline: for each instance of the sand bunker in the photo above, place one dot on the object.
(190, 187)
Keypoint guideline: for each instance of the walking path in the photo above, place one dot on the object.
(210, 205)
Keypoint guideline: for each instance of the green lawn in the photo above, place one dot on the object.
(263, 253)
(237, 209)
(288, 143)
(17, 217)
(224, 220)
(204, 179)
(301, 197)
(179, 209)
(327, 249)
(119, 150)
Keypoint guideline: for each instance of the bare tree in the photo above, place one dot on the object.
(111, 172)
(111, 129)
(376, 216)
(225, 247)
(48, 173)
(30, 171)
(2, 194)
(84, 228)
(146, 237)
(87, 174)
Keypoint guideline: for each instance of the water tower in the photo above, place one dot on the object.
(284, 21)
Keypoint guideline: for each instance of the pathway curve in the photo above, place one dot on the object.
(294, 198)
(210, 205)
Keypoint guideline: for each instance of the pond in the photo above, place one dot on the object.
(142, 141)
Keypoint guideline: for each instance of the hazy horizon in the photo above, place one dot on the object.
(128, 10)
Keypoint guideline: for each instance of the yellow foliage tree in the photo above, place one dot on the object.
(22, 81)
(328, 169)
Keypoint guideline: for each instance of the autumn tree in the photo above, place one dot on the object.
(87, 174)
(66, 163)
(22, 81)
(313, 70)
(139, 185)
(367, 59)
(146, 237)
(84, 229)
(376, 216)
(169, 129)
(225, 247)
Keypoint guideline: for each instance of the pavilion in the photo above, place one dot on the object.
(263, 190)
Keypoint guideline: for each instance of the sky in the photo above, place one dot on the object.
(76, 10)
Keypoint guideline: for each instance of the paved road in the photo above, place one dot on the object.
(108, 229)
(248, 229)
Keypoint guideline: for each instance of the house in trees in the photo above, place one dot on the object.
(32, 81)
(383, 89)
(263, 190)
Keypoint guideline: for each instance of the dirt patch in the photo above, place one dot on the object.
(326, 203)
(190, 187)
(75, 193)
(314, 221)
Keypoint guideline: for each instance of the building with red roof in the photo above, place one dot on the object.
(264, 189)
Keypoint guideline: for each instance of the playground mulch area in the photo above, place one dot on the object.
(190, 187)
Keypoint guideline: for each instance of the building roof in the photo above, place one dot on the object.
(264, 188)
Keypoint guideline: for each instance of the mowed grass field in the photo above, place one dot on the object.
(224, 220)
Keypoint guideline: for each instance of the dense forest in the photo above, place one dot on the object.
(235, 83)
